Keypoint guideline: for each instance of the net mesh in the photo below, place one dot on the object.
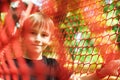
(90, 29)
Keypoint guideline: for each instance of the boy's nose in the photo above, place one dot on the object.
(38, 38)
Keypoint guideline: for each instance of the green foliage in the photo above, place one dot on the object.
(81, 47)
(113, 16)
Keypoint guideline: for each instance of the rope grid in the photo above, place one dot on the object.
(90, 35)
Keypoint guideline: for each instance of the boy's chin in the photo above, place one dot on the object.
(38, 51)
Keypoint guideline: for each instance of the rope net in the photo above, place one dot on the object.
(90, 35)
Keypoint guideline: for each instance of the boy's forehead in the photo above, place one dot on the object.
(38, 28)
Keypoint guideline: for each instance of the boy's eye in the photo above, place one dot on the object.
(44, 35)
(34, 33)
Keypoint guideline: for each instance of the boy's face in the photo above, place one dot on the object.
(36, 39)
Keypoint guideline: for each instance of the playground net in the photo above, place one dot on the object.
(90, 31)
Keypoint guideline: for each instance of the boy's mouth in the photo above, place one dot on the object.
(37, 45)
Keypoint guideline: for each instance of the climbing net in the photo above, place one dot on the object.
(90, 29)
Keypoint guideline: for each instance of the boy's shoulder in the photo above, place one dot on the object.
(50, 61)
